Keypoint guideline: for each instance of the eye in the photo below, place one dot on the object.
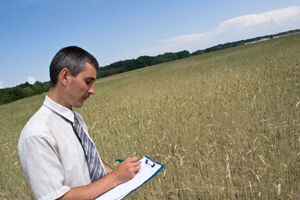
(88, 82)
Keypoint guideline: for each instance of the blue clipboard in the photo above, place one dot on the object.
(152, 163)
(149, 168)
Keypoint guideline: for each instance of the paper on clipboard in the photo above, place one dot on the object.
(149, 169)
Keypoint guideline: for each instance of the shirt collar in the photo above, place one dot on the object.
(59, 109)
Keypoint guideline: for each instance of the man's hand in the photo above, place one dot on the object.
(126, 170)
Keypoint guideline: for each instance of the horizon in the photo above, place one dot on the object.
(113, 30)
(31, 79)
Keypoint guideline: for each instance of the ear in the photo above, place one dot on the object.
(64, 76)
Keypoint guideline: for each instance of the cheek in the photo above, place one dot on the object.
(81, 90)
(78, 89)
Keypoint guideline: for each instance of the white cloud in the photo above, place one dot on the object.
(243, 27)
(31, 80)
(178, 43)
(275, 17)
(1, 84)
(184, 38)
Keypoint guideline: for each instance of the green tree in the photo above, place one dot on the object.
(46, 86)
(183, 54)
(14, 94)
(6, 99)
(37, 89)
(28, 90)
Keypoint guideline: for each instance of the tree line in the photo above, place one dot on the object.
(8, 95)
(145, 61)
(21, 91)
(140, 62)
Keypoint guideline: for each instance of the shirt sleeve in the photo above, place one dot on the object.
(42, 167)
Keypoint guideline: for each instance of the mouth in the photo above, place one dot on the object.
(85, 98)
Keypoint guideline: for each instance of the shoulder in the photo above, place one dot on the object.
(39, 126)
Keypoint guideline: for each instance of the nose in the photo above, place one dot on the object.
(92, 89)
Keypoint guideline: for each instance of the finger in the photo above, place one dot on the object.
(137, 168)
(133, 159)
(136, 164)
(130, 163)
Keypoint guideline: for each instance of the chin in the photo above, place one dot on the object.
(78, 105)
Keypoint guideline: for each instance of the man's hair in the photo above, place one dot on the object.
(74, 59)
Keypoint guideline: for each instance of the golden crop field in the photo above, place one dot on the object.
(225, 125)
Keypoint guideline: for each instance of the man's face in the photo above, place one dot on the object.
(81, 87)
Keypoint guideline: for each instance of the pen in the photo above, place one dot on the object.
(120, 160)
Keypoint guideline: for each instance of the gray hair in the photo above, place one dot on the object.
(74, 59)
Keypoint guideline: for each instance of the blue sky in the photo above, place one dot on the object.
(32, 31)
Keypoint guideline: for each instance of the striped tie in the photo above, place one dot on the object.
(95, 167)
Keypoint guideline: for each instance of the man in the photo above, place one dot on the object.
(54, 161)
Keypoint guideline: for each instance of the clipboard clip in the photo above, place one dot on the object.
(150, 162)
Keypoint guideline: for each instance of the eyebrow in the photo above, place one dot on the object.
(91, 78)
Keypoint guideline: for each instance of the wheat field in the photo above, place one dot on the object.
(225, 124)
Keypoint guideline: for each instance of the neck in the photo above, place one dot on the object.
(57, 95)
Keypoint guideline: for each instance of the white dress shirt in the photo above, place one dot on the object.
(50, 153)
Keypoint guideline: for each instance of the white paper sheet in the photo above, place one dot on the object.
(143, 175)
